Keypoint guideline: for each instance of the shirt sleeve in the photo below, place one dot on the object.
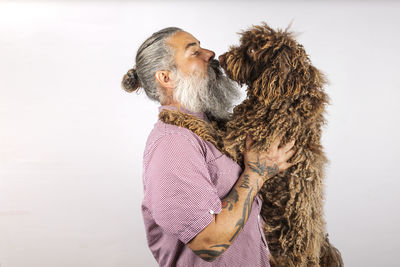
(183, 197)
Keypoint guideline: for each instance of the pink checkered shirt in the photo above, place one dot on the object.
(184, 180)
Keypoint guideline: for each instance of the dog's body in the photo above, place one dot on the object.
(284, 96)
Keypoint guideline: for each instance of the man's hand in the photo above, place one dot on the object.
(268, 164)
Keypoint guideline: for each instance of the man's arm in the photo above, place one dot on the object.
(216, 237)
(213, 240)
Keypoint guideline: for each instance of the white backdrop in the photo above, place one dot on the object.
(71, 140)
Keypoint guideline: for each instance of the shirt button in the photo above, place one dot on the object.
(211, 211)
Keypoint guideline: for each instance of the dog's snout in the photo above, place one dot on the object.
(214, 63)
(221, 59)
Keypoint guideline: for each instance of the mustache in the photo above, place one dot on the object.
(216, 67)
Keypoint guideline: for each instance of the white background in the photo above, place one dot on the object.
(71, 140)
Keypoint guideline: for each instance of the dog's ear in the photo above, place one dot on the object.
(289, 74)
(273, 85)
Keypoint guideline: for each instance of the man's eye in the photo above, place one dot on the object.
(195, 52)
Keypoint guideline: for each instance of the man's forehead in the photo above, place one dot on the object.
(183, 40)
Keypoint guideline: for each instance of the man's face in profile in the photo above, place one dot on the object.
(189, 57)
(199, 84)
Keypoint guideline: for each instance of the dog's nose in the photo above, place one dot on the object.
(208, 55)
(221, 59)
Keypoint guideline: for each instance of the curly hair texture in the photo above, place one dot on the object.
(285, 96)
(153, 55)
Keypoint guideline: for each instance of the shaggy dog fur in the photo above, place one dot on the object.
(284, 97)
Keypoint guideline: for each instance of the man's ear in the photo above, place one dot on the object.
(164, 78)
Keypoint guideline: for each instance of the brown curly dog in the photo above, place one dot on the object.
(284, 96)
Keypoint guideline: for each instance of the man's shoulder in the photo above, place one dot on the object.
(169, 133)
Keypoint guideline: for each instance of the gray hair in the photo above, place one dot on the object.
(153, 55)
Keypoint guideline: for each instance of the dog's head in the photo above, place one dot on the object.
(271, 63)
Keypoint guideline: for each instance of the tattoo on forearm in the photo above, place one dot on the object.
(221, 245)
(232, 198)
(245, 181)
(229, 202)
(209, 254)
(245, 214)
(262, 169)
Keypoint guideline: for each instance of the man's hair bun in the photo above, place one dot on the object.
(130, 81)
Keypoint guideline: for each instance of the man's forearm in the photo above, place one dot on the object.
(236, 207)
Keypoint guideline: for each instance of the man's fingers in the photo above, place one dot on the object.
(288, 146)
(287, 165)
(249, 142)
(288, 154)
(276, 142)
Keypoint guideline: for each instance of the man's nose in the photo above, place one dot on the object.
(208, 55)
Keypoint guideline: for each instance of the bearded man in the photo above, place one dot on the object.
(199, 207)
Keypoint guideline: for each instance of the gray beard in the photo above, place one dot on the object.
(213, 94)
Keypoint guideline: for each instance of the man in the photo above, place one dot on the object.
(199, 207)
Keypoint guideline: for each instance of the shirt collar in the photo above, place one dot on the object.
(200, 114)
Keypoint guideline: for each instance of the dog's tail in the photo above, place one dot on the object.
(330, 256)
